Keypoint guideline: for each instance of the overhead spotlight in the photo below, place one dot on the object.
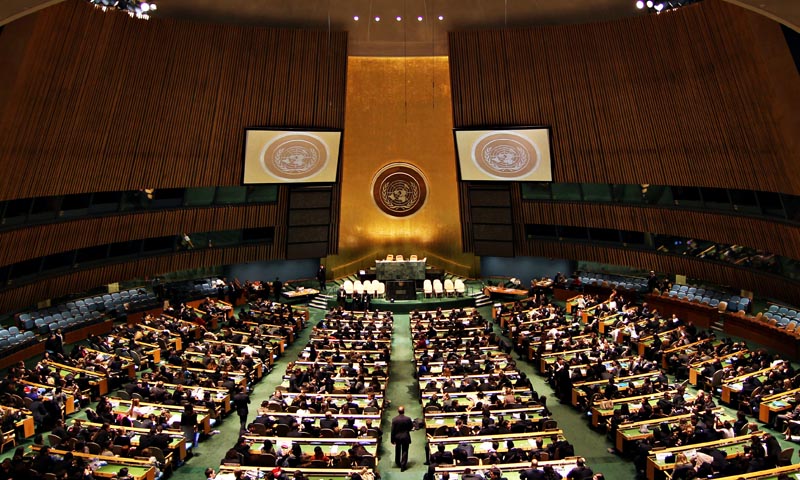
(441, 17)
(419, 19)
(663, 5)
(134, 8)
(355, 18)
(377, 19)
(398, 18)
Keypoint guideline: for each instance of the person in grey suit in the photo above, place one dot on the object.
(401, 437)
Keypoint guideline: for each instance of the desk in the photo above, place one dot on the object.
(400, 269)
(300, 293)
(733, 447)
(489, 291)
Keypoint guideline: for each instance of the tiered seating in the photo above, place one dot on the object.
(711, 297)
(627, 394)
(781, 316)
(326, 413)
(638, 284)
(479, 409)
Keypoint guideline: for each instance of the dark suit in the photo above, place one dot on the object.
(531, 474)
(401, 439)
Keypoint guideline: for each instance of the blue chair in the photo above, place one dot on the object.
(58, 317)
(773, 308)
(700, 291)
(53, 326)
(714, 302)
(4, 333)
(42, 327)
(29, 334)
(691, 290)
(4, 344)
(13, 330)
(792, 313)
(768, 315)
(684, 288)
(80, 303)
(783, 311)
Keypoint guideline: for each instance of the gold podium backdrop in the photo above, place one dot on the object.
(399, 110)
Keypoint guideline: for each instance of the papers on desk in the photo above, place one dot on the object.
(486, 447)
(661, 457)
(334, 449)
(439, 421)
(532, 442)
(515, 416)
(779, 404)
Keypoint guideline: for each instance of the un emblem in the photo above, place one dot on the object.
(294, 156)
(399, 189)
(505, 155)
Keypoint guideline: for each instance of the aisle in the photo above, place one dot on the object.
(403, 389)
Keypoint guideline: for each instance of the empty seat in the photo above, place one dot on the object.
(369, 287)
(380, 289)
(449, 287)
(358, 287)
(413, 258)
(4, 333)
(399, 258)
(461, 289)
(427, 288)
(348, 287)
(389, 257)
(438, 288)
(13, 330)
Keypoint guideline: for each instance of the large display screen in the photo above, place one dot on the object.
(291, 156)
(519, 154)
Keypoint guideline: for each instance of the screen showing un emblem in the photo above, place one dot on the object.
(505, 154)
(294, 156)
(399, 189)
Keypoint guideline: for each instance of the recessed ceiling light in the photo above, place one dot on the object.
(419, 19)
(377, 19)
(441, 17)
(355, 18)
(399, 18)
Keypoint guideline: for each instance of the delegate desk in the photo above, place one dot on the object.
(563, 467)
(151, 350)
(482, 444)
(580, 389)
(97, 380)
(600, 415)
(400, 269)
(173, 412)
(772, 405)
(69, 404)
(771, 474)
(436, 420)
(177, 443)
(138, 469)
(25, 424)
(227, 472)
(733, 447)
(330, 446)
(628, 433)
(733, 387)
(726, 360)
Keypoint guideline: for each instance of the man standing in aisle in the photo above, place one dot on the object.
(321, 273)
(401, 437)
(240, 401)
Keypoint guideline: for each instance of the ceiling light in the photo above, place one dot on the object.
(355, 18)
(661, 6)
(640, 4)
(134, 8)
(649, 3)
(377, 19)
(441, 17)
(398, 18)
(419, 19)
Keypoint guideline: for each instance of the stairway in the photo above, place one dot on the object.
(320, 301)
(717, 325)
(481, 300)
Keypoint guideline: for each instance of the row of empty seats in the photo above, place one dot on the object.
(449, 287)
(782, 316)
(614, 281)
(399, 258)
(713, 298)
(374, 288)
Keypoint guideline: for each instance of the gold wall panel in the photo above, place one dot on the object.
(399, 110)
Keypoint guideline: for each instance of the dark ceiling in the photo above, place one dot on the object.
(409, 36)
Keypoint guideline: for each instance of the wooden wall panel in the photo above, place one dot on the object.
(679, 99)
(764, 285)
(41, 240)
(773, 237)
(26, 295)
(104, 102)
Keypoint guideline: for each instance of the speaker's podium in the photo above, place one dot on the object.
(401, 289)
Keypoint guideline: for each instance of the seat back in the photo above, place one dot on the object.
(413, 258)
(399, 258)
